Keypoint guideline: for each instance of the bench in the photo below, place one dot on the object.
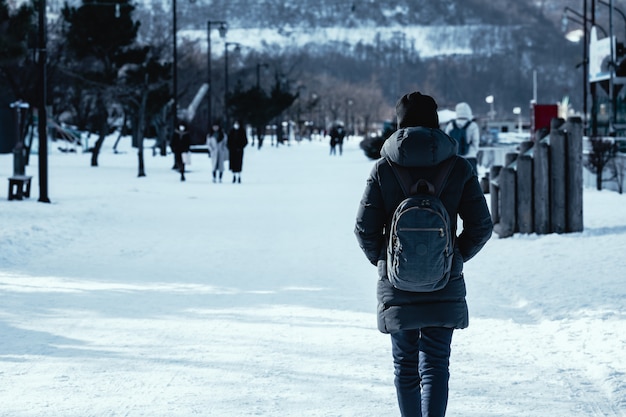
(19, 187)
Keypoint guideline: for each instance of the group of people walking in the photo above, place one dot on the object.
(222, 147)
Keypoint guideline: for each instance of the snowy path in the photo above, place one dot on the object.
(151, 297)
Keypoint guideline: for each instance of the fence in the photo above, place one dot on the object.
(539, 188)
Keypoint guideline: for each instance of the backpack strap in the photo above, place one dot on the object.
(443, 173)
(435, 187)
(403, 177)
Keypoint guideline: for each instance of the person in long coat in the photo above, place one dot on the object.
(237, 141)
(216, 143)
(421, 323)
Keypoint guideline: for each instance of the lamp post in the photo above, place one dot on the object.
(349, 128)
(518, 112)
(574, 36)
(237, 45)
(174, 70)
(565, 19)
(492, 113)
(222, 28)
(41, 110)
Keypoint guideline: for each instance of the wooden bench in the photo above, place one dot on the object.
(19, 187)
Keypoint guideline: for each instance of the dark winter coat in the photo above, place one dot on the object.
(422, 149)
(181, 141)
(337, 134)
(237, 140)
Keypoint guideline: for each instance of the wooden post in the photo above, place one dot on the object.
(558, 174)
(541, 186)
(509, 159)
(506, 226)
(525, 194)
(525, 189)
(525, 146)
(494, 192)
(574, 174)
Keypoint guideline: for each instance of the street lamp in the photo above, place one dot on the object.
(175, 67)
(492, 113)
(565, 20)
(518, 111)
(222, 28)
(349, 103)
(237, 46)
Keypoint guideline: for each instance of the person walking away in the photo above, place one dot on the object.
(237, 141)
(341, 135)
(466, 131)
(421, 323)
(337, 134)
(260, 135)
(218, 152)
(180, 144)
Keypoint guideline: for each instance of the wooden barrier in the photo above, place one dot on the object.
(539, 189)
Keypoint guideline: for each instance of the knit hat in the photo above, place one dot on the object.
(417, 109)
(463, 111)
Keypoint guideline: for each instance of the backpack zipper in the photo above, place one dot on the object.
(426, 229)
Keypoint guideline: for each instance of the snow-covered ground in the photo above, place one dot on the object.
(149, 296)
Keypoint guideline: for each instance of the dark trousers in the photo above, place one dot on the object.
(421, 360)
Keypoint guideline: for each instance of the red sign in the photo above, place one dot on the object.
(541, 117)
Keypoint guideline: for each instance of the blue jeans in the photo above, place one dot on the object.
(421, 359)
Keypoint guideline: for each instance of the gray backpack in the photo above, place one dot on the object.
(421, 243)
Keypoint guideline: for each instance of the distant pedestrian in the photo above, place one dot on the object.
(237, 141)
(466, 132)
(260, 135)
(180, 144)
(216, 143)
(337, 134)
